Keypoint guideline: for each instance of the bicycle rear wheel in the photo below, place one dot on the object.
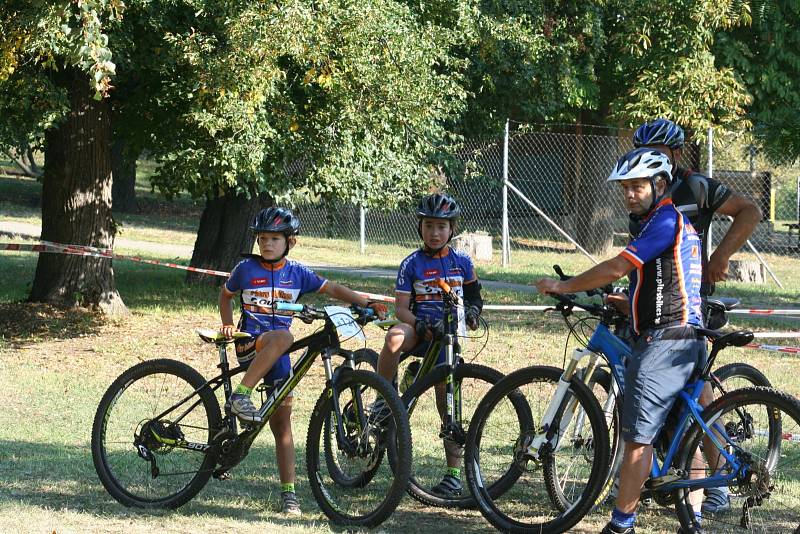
(495, 445)
(766, 496)
(143, 461)
(348, 477)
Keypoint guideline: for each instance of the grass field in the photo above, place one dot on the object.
(57, 363)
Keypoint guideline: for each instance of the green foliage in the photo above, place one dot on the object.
(659, 63)
(766, 58)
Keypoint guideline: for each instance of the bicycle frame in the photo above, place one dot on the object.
(325, 343)
(604, 344)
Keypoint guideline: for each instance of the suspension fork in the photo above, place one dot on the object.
(588, 374)
(547, 432)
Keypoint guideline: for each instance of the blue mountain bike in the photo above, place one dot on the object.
(751, 435)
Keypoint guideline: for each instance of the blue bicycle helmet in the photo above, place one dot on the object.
(659, 132)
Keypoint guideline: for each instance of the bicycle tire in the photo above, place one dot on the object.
(563, 520)
(417, 486)
(744, 371)
(395, 434)
(107, 461)
(601, 378)
(736, 410)
(366, 357)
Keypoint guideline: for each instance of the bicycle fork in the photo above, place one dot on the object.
(550, 434)
(452, 432)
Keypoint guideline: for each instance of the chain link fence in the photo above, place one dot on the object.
(558, 200)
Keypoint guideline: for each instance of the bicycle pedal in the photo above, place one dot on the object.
(672, 476)
(222, 475)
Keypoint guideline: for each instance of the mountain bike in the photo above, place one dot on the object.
(753, 434)
(159, 435)
(600, 380)
(440, 401)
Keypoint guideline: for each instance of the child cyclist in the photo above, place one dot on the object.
(419, 305)
(261, 281)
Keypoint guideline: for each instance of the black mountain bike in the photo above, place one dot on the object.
(159, 435)
(440, 420)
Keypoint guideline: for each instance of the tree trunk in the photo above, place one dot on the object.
(594, 212)
(224, 235)
(76, 204)
(123, 166)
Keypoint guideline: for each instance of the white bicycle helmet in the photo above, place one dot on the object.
(642, 163)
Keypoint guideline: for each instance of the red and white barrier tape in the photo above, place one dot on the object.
(775, 348)
(76, 250)
(764, 312)
(84, 250)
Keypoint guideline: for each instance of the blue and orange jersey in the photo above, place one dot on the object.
(262, 285)
(665, 286)
(418, 274)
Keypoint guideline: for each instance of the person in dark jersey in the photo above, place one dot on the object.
(664, 268)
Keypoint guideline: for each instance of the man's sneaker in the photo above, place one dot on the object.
(290, 506)
(717, 501)
(379, 413)
(243, 408)
(449, 488)
(613, 529)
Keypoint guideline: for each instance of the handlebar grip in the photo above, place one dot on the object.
(560, 273)
(369, 312)
(288, 306)
(444, 286)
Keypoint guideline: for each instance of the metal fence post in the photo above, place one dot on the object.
(362, 227)
(710, 174)
(505, 253)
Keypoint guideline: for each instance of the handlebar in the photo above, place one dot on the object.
(308, 313)
(605, 290)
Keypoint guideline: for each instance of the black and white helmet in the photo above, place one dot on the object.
(439, 206)
(642, 163)
(276, 219)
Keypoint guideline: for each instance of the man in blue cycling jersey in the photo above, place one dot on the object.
(700, 198)
(664, 266)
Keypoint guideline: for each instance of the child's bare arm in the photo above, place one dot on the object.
(402, 310)
(346, 294)
(226, 312)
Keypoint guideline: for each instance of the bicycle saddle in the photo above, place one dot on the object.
(722, 340)
(723, 303)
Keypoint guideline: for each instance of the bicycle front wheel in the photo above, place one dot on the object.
(577, 450)
(146, 459)
(427, 405)
(352, 426)
(765, 493)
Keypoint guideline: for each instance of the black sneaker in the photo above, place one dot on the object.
(379, 413)
(613, 529)
(449, 488)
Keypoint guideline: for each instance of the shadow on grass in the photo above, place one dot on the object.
(58, 477)
(22, 322)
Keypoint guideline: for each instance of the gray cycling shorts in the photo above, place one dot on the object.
(661, 363)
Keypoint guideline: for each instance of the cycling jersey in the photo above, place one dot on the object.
(698, 197)
(261, 285)
(418, 274)
(665, 287)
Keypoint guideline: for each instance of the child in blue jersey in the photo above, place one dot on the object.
(261, 281)
(664, 266)
(419, 305)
